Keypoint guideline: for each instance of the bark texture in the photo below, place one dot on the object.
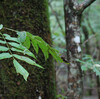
(72, 20)
(32, 16)
(73, 11)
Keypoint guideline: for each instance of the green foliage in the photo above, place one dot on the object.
(5, 55)
(61, 96)
(20, 69)
(87, 63)
(21, 45)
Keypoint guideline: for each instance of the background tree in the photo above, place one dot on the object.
(73, 11)
(32, 16)
(91, 24)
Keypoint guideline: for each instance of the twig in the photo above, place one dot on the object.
(54, 12)
(85, 4)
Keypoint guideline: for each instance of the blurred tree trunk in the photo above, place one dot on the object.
(73, 11)
(32, 16)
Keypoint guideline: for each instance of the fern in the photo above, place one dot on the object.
(22, 44)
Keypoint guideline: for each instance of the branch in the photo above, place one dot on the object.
(57, 18)
(86, 4)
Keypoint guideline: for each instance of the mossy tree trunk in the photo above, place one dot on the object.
(32, 16)
(73, 11)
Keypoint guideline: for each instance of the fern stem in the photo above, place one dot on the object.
(10, 29)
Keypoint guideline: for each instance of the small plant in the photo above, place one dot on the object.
(22, 44)
(88, 63)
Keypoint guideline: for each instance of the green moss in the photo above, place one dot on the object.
(32, 16)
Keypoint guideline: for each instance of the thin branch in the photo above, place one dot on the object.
(86, 4)
(88, 39)
(54, 12)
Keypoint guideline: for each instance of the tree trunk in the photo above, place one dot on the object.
(32, 16)
(73, 11)
(72, 21)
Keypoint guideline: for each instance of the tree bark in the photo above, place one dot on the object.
(32, 16)
(73, 11)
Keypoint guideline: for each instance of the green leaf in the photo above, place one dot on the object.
(5, 55)
(28, 60)
(33, 41)
(17, 50)
(8, 37)
(84, 68)
(2, 48)
(35, 45)
(16, 45)
(55, 54)
(20, 69)
(96, 71)
(27, 52)
(21, 36)
(38, 42)
(27, 42)
(1, 26)
(44, 48)
(2, 42)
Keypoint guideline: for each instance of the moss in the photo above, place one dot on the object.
(32, 16)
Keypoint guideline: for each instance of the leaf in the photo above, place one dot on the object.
(5, 55)
(27, 52)
(8, 37)
(35, 45)
(16, 45)
(96, 71)
(21, 36)
(39, 42)
(55, 54)
(27, 42)
(28, 60)
(2, 42)
(84, 68)
(33, 41)
(20, 69)
(44, 49)
(17, 50)
(1, 26)
(2, 48)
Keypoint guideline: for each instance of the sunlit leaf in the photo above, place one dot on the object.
(16, 45)
(2, 48)
(8, 37)
(5, 55)
(27, 52)
(20, 69)
(27, 60)
(2, 42)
